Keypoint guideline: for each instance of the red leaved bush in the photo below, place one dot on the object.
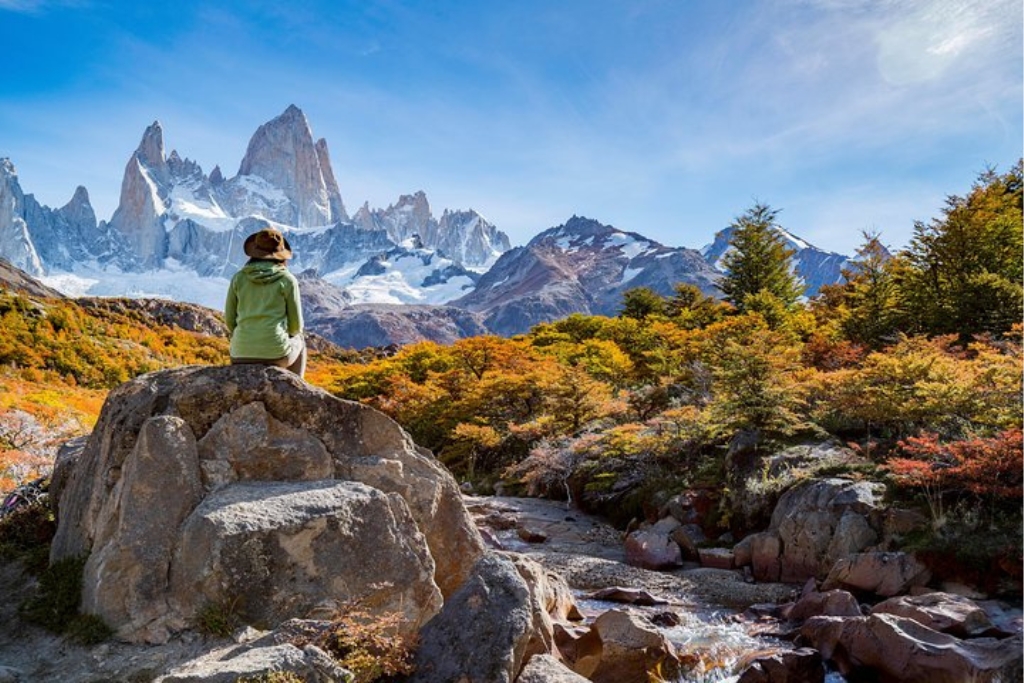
(986, 466)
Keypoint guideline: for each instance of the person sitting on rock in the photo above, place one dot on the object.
(263, 310)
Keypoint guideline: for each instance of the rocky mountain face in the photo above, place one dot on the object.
(380, 325)
(36, 238)
(172, 217)
(14, 279)
(170, 210)
(466, 237)
(814, 266)
(582, 266)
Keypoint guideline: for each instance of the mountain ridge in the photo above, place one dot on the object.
(173, 219)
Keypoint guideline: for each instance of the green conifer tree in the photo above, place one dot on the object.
(758, 260)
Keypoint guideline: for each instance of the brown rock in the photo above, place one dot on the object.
(716, 558)
(884, 574)
(766, 556)
(631, 596)
(886, 647)
(620, 647)
(833, 603)
(795, 666)
(953, 614)
(547, 669)
(689, 537)
(652, 548)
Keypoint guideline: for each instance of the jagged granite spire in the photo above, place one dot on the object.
(282, 152)
(338, 212)
(143, 199)
(15, 241)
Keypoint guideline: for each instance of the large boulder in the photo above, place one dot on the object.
(884, 574)
(814, 525)
(198, 449)
(483, 632)
(622, 648)
(281, 549)
(945, 612)
(886, 647)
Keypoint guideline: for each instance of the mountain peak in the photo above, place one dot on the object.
(283, 153)
(81, 196)
(151, 148)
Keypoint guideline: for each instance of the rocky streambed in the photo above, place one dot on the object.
(700, 609)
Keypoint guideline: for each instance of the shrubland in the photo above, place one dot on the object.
(914, 361)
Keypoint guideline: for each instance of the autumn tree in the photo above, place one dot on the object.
(967, 265)
(758, 260)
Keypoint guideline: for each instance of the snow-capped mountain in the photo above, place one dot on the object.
(177, 233)
(579, 267)
(172, 219)
(815, 267)
(465, 237)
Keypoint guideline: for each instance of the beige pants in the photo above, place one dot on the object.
(295, 361)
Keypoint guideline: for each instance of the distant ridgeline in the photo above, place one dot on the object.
(173, 218)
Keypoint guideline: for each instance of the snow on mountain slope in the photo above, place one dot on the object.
(582, 266)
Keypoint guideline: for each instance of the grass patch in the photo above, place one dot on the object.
(368, 645)
(26, 533)
(219, 619)
(272, 677)
(56, 602)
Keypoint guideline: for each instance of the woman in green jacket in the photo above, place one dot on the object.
(263, 311)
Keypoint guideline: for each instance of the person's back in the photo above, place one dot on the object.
(263, 310)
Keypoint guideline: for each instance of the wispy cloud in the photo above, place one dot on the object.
(39, 6)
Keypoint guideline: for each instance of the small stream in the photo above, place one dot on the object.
(589, 553)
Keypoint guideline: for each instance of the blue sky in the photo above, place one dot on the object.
(665, 117)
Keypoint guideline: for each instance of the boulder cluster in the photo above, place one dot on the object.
(867, 607)
(244, 489)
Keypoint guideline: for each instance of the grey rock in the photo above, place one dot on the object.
(545, 668)
(116, 496)
(483, 631)
(125, 580)
(273, 550)
(806, 519)
(249, 662)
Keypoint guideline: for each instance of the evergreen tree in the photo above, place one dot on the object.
(758, 260)
(966, 266)
(640, 302)
(871, 296)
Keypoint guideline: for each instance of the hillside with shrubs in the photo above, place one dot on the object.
(913, 364)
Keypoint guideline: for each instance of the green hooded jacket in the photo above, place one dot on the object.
(262, 310)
